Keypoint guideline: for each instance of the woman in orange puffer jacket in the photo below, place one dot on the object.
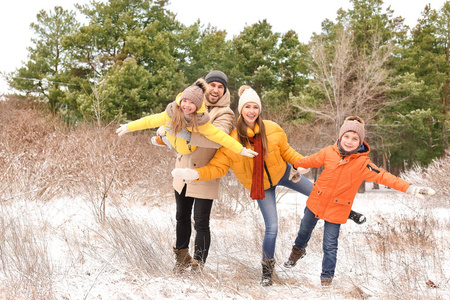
(347, 165)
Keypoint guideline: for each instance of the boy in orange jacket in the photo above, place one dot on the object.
(347, 165)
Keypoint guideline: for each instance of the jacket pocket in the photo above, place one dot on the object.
(342, 201)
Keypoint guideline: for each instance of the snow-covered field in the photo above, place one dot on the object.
(58, 249)
(85, 215)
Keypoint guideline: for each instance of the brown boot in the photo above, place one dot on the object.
(326, 281)
(296, 254)
(183, 260)
(198, 267)
(267, 271)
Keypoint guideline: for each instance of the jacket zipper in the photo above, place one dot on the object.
(268, 175)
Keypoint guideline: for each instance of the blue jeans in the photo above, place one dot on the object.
(268, 207)
(330, 241)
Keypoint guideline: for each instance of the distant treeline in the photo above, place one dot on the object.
(132, 57)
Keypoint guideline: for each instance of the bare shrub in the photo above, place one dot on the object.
(24, 258)
(142, 246)
(41, 159)
(435, 175)
(233, 198)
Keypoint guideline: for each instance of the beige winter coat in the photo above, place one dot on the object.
(222, 117)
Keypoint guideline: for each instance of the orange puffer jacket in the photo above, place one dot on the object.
(334, 191)
(275, 162)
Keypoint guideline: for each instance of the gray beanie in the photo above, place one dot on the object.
(218, 76)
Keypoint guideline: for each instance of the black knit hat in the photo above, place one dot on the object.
(218, 76)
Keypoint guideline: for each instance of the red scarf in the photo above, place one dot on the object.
(257, 191)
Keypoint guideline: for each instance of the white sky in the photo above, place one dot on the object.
(305, 17)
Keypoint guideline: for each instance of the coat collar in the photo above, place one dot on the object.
(253, 132)
(365, 149)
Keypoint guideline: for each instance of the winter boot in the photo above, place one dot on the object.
(267, 271)
(183, 260)
(326, 281)
(357, 217)
(198, 268)
(296, 254)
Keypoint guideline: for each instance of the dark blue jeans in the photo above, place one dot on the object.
(330, 241)
(268, 207)
(202, 212)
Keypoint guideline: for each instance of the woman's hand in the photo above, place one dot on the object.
(185, 173)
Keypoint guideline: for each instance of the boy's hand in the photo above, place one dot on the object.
(419, 191)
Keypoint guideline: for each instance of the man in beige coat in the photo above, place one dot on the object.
(200, 194)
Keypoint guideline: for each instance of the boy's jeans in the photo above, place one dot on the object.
(268, 209)
(330, 241)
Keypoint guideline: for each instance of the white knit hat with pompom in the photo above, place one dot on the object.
(246, 95)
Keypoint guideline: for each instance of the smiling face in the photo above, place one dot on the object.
(215, 91)
(187, 106)
(250, 112)
(350, 141)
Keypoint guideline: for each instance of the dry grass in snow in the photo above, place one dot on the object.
(85, 215)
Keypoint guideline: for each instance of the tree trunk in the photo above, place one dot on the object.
(362, 187)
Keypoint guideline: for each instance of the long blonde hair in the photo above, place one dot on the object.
(179, 122)
(241, 127)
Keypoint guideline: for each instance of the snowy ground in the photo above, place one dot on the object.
(403, 245)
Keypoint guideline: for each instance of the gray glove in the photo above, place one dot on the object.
(184, 134)
(294, 175)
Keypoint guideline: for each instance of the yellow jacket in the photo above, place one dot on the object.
(208, 130)
(275, 162)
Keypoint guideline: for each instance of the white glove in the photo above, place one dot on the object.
(185, 173)
(161, 131)
(419, 191)
(294, 176)
(122, 129)
(248, 152)
(302, 170)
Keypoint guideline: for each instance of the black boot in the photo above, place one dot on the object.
(357, 217)
(267, 271)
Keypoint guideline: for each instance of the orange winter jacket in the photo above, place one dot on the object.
(334, 191)
(275, 162)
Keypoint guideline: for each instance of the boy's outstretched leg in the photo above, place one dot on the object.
(296, 254)
(307, 225)
(357, 217)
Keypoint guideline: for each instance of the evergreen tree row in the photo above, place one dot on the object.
(132, 57)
